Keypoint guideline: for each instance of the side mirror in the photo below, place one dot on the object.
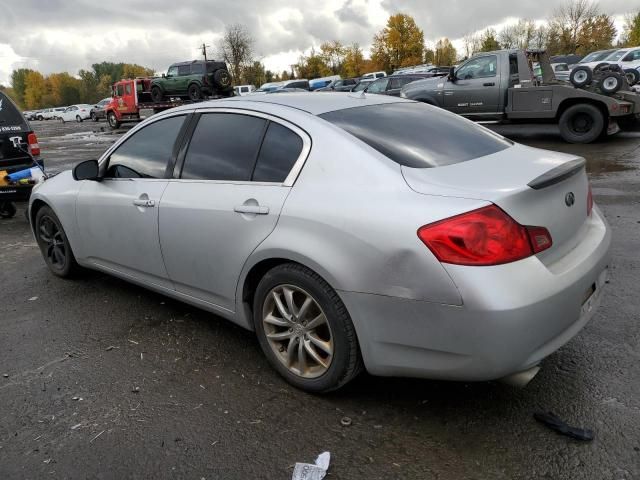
(452, 74)
(87, 170)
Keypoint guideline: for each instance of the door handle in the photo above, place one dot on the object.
(144, 203)
(489, 84)
(254, 209)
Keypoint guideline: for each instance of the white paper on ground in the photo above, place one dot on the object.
(307, 471)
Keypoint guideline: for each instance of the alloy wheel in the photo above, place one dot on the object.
(51, 237)
(298, 331)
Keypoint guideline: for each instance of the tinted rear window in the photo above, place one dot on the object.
(417, 135)
(11, 120)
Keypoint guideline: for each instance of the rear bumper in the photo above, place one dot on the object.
(513, 316)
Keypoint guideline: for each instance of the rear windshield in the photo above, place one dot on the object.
(417, 135)
(11, 120)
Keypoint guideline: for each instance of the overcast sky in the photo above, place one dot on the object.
(67, 35)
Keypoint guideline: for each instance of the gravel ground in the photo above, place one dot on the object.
(102, 379)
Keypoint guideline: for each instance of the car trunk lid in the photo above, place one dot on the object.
(535, 187)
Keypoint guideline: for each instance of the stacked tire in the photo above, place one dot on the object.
(610, 78)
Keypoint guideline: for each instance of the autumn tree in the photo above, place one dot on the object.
(236, 49)
(445, 53)
(489, 41)
(255, 74)
(18, 83)
(354, 62)
(132, 70)
(631, 35)
(284, 75)
(597, 33)
(429, 56)
(399, 44)
(312, 66)
(35, 89)
(333, 54)
(567, 26)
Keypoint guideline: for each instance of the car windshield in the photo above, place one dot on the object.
(361, 86)
(11, 120)
(417, 135)
(597, 56)
(615, 56)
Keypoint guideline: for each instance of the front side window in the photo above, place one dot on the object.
(481, 67)
(632, 56)
(147, 152)
(378, 86)
(416, 135)
(184, 70)
(224, 146)
(280, 149)
(120, 90)
(172, 72)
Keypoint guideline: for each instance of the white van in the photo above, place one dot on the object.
(373, 75)
(244, 89)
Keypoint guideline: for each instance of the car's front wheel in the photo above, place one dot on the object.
(54, 244)
(78, 118)
(304, 329)
(156, 94)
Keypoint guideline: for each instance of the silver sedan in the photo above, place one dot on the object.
(348, 231)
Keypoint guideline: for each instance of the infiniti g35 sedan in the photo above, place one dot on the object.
(348, 231)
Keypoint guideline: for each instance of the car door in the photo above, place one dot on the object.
(232, 183)
(396, 84)
(171, 81)
(378, 86)
(118, 216)
(631, 59)
(183, 78)
(476, 89)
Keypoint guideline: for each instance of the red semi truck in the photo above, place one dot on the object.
(131, 102)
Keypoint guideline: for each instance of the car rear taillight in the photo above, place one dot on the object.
(487, 236)
(589, 201)
(34, 147)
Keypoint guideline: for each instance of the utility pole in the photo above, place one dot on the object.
(204, 51)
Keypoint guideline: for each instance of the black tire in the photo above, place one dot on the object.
(94, 117)
(582, 123)
(40, 118)
(610, 83)
(156, 94)
(601, 67)
(633, 76)
(346, 362)
(54, 244)
(113, 120)
(7, 210)
(78, 119)
(222, 79)
(195, 92)
(581, 76)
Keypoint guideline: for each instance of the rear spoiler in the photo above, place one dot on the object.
(557, 174)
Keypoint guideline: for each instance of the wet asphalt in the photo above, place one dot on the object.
(102, 379)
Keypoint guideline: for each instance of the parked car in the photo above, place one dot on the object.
(361, 85)
(629, 61)
(595, 58)
(339, 85)
(50, 113)
(241, 90)
(393, 84)
(194, 80)
(76, 113)
(322, 82)
(269, 86)
(373, 75)
(98, 110)
(561, 71)
(302, 83)
(497, 259)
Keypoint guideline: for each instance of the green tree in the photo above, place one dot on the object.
(34, 91)
(133, 70)
(445, 53)
(596, 33)
(631, 35)
(489, 42)
(312, 66)
(429, 56)
(333, 55)
(18, 83)
(353, 64)
(399, 44)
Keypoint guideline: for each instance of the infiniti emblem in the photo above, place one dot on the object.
(569, 199)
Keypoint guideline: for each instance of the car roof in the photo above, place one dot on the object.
(314, 104)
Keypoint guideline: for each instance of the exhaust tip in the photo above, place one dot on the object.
(521, 379)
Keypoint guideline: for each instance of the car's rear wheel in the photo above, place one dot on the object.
(304, 329)
(156, 94)
(582, 123)
(7, 209)
(54, 244)
(113, 120)
(195, 92)
(94, 117)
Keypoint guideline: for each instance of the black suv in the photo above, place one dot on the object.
(195, 80)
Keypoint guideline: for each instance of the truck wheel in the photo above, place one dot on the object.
(113, 120)
(7, 209)
(611, 83)
(633, 76)
(222, 79)
(195, 93)
(582, 123)
(581, 76)
(156, 94)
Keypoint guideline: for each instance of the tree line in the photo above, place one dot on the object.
(575, 27)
